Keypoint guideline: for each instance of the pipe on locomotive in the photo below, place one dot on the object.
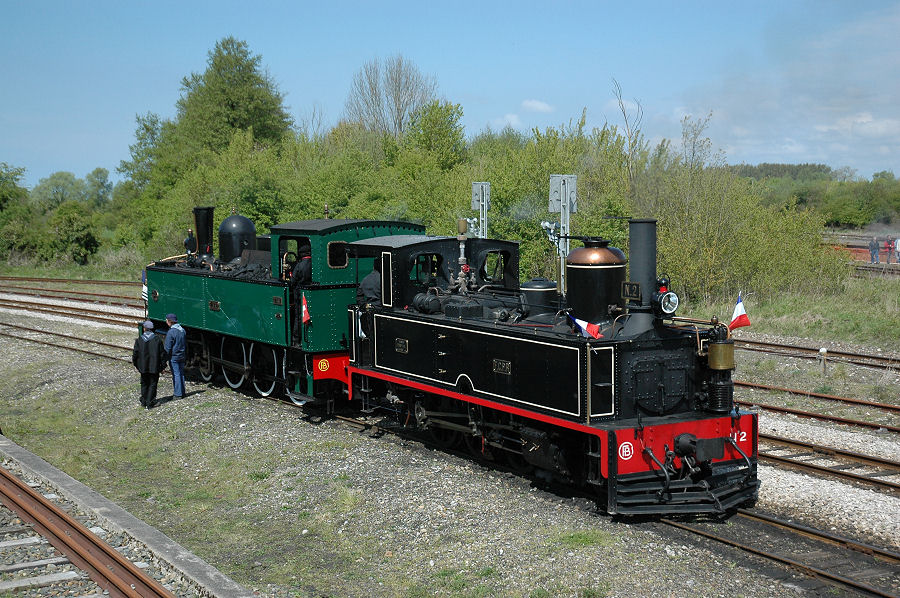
(642, 269)
(203, 225)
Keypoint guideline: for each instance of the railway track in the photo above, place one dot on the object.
(817, 395)
(80, 339)
(830, 461)
(126, 283)
(76, 551)
(70, 295)
(863, 359)
(884, 270)
(95, 315)
(834, 559)
(820, 416)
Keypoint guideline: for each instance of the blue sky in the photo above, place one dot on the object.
(785, 81)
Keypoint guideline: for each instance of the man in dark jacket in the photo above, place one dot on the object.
(368, 293)
(149, 357)
(176, 347)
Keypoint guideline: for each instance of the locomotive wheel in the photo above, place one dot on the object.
(265, 368)
(206, 366)
(444, 437)
(236, 352)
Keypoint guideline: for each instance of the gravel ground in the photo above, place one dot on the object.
(385, 516)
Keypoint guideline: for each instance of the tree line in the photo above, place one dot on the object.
(401, 153)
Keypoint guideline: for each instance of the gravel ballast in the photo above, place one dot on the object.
(316, 509)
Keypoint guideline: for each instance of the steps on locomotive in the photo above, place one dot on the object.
(648, 493)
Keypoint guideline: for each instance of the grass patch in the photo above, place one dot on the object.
(866, 311)
(583, 539)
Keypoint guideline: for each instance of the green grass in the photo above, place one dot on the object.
(865, 311)
(583, 539)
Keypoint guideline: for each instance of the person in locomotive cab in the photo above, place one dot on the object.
(301, 275)
(149, 358)
(302, 272)
(368, 293)
(176, 346)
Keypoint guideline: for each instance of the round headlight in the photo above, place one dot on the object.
(668, 303)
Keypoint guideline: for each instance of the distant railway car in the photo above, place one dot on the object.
(603, 386)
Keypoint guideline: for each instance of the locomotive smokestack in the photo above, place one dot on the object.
(642, 256)
(203, 224)
(642, 260)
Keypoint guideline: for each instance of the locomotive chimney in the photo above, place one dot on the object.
(642, 256)
(203, 224)
(642, 260)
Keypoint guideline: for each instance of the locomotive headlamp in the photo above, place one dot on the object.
(666, 302)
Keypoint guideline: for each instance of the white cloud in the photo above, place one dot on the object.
(536, 106)
(511, 120)
(862, 124)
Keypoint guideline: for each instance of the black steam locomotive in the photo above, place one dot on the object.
(602, 385)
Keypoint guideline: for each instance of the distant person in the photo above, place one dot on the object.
(889, 249)
(897, 248)
(368, 293)
(176, 347)
(873, 251)
(149, 357)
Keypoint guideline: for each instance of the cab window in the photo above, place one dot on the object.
(493, 269)
(337, 255)
(425, 268)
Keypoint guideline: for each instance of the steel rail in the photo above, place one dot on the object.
(824, 469)
(867, 360)
(793, 563)
(84, 296)
(817, 395)
(77, 338)
(40, 342)
(109, 569)
(61, 310)
(832, 451)
(129, 283)
(831, 418)
(823, 536)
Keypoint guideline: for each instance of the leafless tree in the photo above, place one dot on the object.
(632, 131)
(384, 97)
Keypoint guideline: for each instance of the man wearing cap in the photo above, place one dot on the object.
(149, 357)
(175, 346)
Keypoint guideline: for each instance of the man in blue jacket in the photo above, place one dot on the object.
(176, 348)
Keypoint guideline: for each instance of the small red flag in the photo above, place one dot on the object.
(306, 317)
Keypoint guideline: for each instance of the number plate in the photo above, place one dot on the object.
(631, 291)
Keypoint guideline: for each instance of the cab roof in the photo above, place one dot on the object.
(323, 226)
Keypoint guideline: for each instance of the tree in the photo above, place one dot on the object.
(98, 189)
(384, 98)
(10, 190)
(436, 129)
(73, 235)
(57, 189)
(233, 93)
(139, 169)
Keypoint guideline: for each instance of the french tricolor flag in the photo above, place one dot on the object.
(739, 317)
(587, 329)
